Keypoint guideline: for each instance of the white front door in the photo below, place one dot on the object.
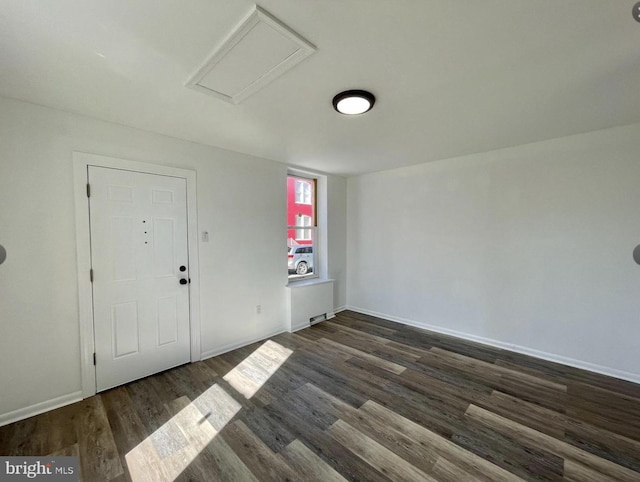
(140, 267)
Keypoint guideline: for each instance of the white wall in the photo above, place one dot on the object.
(241, 202)
(337, 231)
(529, 246)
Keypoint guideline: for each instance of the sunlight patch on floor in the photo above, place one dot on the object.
(165, 454)
(254, 371)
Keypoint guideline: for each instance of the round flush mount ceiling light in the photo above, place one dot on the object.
(353, 102)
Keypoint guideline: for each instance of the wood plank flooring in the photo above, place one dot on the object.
(354, 398)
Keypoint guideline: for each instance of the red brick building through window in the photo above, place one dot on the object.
(301, 198)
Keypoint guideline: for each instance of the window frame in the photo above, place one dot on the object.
(311, 228)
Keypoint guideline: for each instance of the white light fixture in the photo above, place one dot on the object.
(353, 102)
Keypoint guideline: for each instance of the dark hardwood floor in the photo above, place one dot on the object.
(355, 398)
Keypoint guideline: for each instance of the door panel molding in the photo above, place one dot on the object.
(81, 163)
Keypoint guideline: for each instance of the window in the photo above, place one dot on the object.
(301, 227)
(303, 234)
(304, 190)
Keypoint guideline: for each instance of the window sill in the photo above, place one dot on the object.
(308, 282)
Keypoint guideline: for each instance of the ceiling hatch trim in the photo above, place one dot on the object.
(259, 50)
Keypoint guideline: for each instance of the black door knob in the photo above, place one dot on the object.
(183, 281)
(183, 268)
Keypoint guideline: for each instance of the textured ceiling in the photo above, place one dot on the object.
(450, 77)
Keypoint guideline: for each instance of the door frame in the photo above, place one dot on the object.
(81, 163)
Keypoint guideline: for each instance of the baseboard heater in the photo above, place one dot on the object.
(317, 319)
(309, 303)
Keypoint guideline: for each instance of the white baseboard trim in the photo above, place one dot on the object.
(299, 327)
(339, 309)
(41, 407)
(238, 344)
(552, 357)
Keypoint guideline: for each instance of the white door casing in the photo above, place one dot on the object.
(163, 334)
(139, 257)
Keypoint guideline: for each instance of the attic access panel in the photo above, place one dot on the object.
(254, 54)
